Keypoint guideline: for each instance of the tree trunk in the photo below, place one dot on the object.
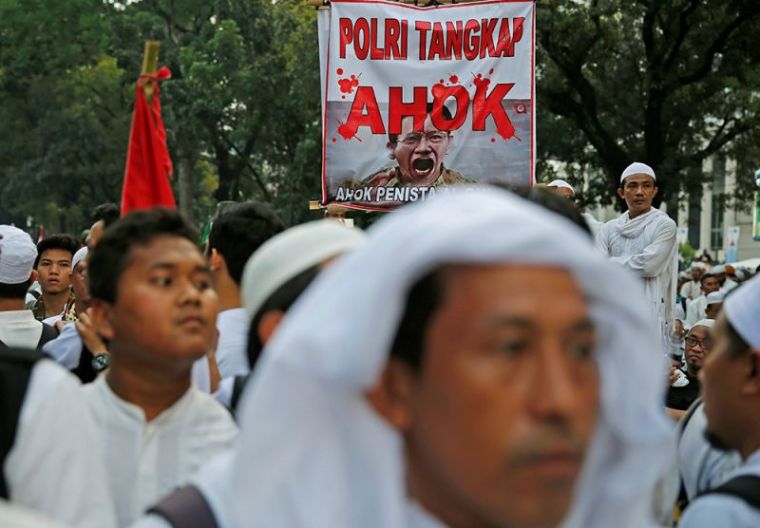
(185, 177)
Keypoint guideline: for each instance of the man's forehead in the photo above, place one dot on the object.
(165, 249)
(640, 178)
(699, 330)
(407, 125)
(56, 254)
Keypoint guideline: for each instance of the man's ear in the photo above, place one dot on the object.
(620, 193)
(216, 261)
(655, 191)
(391, 397)
(751, 383)
(33, 276)
(100, 313)
(268, 324)
(391, 150)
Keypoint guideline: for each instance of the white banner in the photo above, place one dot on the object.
(418, 99)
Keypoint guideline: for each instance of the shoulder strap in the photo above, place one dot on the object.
(15, 371)
(744, 487)
(186, 508)
(237, 391)
(687, 417)
(48, 334)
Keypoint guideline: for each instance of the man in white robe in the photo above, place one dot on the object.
(153, 300)
(333, 417)
(643, 240)
(731, 392)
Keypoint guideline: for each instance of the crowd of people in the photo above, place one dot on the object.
(487, 358)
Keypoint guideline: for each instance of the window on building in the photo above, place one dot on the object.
(717, 226)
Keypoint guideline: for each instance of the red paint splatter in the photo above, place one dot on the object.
(346, 132)
(480, 81)
(339, 71)
(342, 96)
(438, 90)
(334, 140)
(490, 72)
(493, 140)
(347, 86)
(453, 79)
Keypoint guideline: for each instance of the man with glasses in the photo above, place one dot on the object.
(698, 346)
(419, 156)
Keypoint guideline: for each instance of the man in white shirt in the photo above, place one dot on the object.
(643, 240)
(693, 288)
(152, 299)
(55, 466)
(696, 309)
(452, 390)
(234, 236)
(18, 327)
(731, 389)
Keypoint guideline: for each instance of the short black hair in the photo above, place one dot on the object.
(705, 276)
(107, 212)
(551, 201)
(393, 138)
(14, 291)
(110, 257)
(239, 231)
(281, 299)
(421, 303)
(58, 241)
(737, 346)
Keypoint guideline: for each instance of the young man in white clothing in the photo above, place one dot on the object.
(153, 300)
(643, 240)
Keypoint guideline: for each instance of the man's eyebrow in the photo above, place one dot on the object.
(198, 268)
(584, 325)
(581, 325)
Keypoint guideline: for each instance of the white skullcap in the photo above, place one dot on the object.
(637, 168)
(707, 323)
(79, 256)
(715, 297)
(697, 264)
(715, 270)
(561, 184)
(742, 309)
(291, 252)
(17, 255)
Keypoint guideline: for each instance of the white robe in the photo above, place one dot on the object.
(148, 460)
(646, 246)
(55, 467)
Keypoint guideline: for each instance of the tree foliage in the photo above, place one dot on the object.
(667, 82)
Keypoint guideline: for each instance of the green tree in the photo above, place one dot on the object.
(667, 82)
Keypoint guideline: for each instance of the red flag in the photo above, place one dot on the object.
(146, 178)
(41, 234)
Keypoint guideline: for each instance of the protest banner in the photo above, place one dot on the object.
(418, 99)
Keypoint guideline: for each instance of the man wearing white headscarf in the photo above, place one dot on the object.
(643, 239)
(564, 189)
(342, 427)
(731, 389)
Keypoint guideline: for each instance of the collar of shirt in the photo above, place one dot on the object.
(133, 412)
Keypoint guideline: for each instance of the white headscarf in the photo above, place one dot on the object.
(314, 454)
(742, 309)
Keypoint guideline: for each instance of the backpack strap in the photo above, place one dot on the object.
(237, 391)
(15, 371)
(744, 487)
(186, 508)
(48, 334)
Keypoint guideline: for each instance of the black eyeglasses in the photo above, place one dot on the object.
(704, 343)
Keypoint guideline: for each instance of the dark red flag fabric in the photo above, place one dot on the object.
(146, 178)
